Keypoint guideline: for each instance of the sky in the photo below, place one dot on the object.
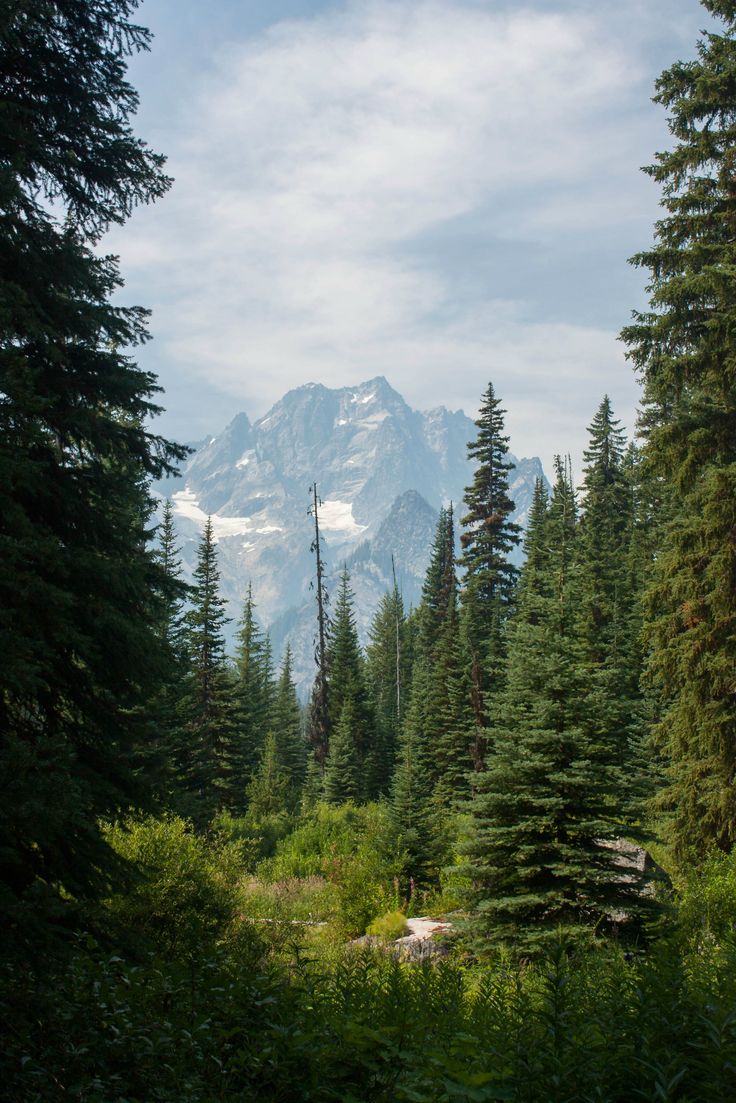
(443, 192)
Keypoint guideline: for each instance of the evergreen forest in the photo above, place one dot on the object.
(205, 883)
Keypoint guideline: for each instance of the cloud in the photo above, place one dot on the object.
(318, 154)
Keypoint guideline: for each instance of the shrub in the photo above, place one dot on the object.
(259, 835)
(388, 927)
(354, 849)
(708, 903)
(184, 897)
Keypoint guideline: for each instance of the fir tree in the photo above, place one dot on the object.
(608, 604)
(342, 769)
(488, 587)
(78, 582)
(286, 723)
(208, 706)
(605, 531)
(161, 762)
(347, 686)
(313, 788)
(545, 808)
(412, 814)
(255, 696)
(439, 590)
(387, 674)
(440, 684)
(268, 792)
(535, 575)
(684, 349)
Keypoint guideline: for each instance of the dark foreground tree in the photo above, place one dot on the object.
(685, 348)
(78, 583)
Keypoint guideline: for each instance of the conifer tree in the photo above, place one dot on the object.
(388, 665)
(449, 704)
(608, 602)
(160, 761)
(208, 706)
(347, 686)
(255, 696)
(684, 349)
(487, 539)
(269, 790)
(286, 724)
(78, 581)
(535, 574)
(412, 814)
(342, 769)
(605, 531)
(546, 805)
(439, 590)
(313, 788)
(437, 717)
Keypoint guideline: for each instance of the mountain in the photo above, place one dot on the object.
(383, 471)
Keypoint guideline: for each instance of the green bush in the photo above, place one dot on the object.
(388, 927)
(185, 894)
(707, 905)
(596, 1026)
(259, 835)
(352, 847)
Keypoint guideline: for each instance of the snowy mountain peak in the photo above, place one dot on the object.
(383, 471)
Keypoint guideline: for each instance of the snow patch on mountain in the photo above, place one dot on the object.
(186, 504)
(337, 517)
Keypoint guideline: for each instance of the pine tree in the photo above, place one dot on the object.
(268, 792)
(78, 582)
(412, 814)
(545, 808)
(255, 697)
(286, 724)
(535, 574)
(609, 600)
(347, 687)
(342, 769)
(313, 788)
(488, 587)
(684, 348)
(439, 590)
(160, 761)
(449, 704)
(439, 686)
(605, 530)
(388, 666)
(208, 705)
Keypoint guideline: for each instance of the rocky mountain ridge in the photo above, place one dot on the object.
(383, 471)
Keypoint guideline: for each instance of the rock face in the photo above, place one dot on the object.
(423, 942)
(383, 471)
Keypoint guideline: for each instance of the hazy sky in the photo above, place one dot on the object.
(440, 192)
